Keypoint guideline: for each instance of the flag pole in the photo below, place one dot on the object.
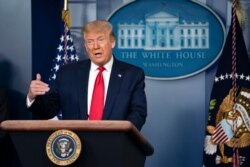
(235, 3)
(65, 6)
(66, 20)
(234, 56)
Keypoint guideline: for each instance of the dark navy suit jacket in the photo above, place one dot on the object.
(125, 100)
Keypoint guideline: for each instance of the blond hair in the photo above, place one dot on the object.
(98, 26)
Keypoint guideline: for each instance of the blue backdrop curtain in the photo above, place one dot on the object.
(46, 17)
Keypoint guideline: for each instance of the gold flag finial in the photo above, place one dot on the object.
(241, 14)
(65, 14)
(66, 17)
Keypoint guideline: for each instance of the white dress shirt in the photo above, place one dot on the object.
(92, 76)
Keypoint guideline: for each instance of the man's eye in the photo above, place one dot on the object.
(100, 40)
(89, 42)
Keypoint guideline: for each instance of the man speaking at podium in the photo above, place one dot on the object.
(99, 88)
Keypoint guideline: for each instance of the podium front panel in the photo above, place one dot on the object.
(99, 149)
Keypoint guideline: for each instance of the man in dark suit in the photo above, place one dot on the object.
(3, 106)
(5, 157)
(124, 95)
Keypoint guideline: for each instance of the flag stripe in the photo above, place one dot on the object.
(220, 135)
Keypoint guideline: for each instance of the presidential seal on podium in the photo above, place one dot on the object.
(63, 147)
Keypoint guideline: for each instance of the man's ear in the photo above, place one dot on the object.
(113, 44)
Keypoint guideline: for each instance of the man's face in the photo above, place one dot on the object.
(99, 46)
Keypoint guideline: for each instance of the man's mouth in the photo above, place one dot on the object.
(98, 54)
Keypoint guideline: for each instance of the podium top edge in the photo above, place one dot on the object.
(79, 125)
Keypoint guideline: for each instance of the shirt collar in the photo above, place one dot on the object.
(107, 66)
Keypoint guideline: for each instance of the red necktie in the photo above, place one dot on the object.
(97, 102)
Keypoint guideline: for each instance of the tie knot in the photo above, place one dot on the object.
(101, 68)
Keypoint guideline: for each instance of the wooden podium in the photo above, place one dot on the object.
(103, 143)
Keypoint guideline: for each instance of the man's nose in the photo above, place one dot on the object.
(96, 45)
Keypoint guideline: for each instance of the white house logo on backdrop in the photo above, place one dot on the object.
(168, 33)
(168, 39)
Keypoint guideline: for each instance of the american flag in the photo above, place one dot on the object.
(66, 52)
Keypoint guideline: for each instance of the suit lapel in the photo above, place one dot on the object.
(116, 78)
(82, 81)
